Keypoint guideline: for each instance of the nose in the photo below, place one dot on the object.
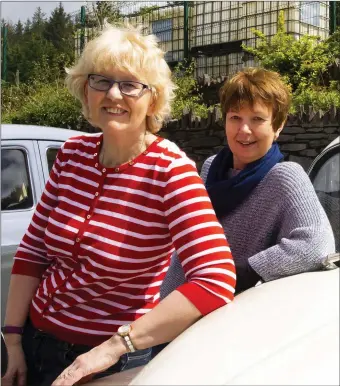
(244, 128)
(114, 92)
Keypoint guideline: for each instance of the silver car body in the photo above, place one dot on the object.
(34, 141)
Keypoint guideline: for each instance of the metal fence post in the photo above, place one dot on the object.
(4, 53)
(186, 30)
(83, 25)
(332, 17)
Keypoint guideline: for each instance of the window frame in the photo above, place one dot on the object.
(30, 177)
(53, 147)
(321, 159)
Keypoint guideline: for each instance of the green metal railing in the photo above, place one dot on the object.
(212, 31)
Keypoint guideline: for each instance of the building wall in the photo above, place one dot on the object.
(302, 139)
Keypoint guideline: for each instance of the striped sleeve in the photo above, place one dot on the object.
(198, 238)
(31, 256)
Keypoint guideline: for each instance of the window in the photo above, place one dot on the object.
(326, 180)
(16, 191)
(310, 12)
(51, 155)
(162, 29)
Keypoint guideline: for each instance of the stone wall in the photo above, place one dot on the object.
(302, 139)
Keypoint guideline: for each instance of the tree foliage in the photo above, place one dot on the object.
(308, 65)
(188, 96)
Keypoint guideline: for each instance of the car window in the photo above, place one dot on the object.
(51, 154)
(326, 182)
(16, 191)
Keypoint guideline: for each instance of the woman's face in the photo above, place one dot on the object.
(114, 111)
(250, 133)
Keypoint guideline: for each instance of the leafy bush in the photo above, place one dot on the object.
(48, 105)
(188, 97)
(307, 65)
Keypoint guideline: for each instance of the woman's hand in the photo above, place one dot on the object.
(17, 369)
(96, 360)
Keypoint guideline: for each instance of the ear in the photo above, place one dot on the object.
(152, 105)
(277, 133)
(86, 92)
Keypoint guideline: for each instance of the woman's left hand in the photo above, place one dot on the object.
(96, 360)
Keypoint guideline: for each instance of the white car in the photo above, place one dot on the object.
(284, 332)
(27, 155)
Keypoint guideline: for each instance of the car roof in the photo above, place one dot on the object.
(269, 335)
(9, 131)
(335, 142)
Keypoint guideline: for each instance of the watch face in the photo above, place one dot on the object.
(124, 330)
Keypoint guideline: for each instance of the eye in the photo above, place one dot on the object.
(101, 81)
(130, 85)
(259, 119)
(234, 117)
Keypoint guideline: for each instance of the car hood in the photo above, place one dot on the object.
(282, 332)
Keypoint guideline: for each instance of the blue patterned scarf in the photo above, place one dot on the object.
(226, 194)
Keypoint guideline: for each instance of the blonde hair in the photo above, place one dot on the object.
(126, 49)
(257, 85)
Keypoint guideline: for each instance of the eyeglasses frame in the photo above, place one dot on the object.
(112, 82)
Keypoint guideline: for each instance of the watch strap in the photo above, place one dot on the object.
(129, 343)
(12, 330)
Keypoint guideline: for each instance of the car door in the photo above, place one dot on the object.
(325, 176)
(20, 190)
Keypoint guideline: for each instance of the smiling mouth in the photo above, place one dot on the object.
(246, 143)
(115, 111)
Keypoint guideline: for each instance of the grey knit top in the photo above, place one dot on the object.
(281, 227)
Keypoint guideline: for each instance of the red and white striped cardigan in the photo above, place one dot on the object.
(101, 240)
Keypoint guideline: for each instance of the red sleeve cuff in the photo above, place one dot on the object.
(202, 299)
(26, 268)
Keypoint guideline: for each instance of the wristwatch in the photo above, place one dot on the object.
(124, 331)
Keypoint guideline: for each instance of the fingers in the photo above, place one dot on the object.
(96, 360)
(21, 378)
(70, 376)
(7, 380)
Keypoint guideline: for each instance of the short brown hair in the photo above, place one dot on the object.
(257, 85)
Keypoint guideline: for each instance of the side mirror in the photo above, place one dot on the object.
(4, 356)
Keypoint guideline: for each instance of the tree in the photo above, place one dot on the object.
(19, 29)
(38, 22)
(59, 30)
(99, 11)
(304, 64)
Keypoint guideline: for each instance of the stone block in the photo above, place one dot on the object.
(316, 129)
(331, 137)
(180, 134)
(331, 130)
(206, 142)
(318, 144)
(308, 136)
(293, 130)
(303, 161)
(293, 146)
(285, 138)
(309, 153)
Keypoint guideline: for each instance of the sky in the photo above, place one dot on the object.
(15, 10)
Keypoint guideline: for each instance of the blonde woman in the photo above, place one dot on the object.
(84, 293)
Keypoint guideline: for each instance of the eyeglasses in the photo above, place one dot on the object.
(126, 87)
